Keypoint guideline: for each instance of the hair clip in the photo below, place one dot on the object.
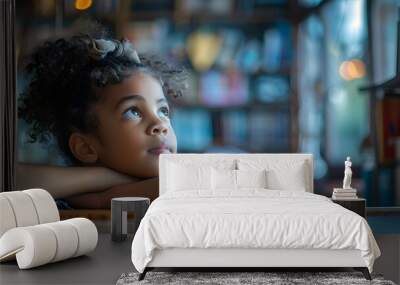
(100, 48)
(131, 52)
(119, 48)
(135, 56)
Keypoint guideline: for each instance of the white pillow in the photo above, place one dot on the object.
(223, 179)
(290, 176)
(181, 177)
(251, 178)
(281, 174)
(227, 179)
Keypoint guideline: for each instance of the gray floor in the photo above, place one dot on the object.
(111, 259)
(103, 266)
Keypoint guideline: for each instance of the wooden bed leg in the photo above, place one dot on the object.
(142, 275)
(364, 271)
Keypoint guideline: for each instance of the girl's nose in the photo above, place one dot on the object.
(158, 128)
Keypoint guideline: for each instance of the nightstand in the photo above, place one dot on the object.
(355, 205)
(119, 214)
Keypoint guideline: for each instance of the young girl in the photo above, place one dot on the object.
(107, 108)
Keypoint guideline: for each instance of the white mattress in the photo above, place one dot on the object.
(263, 219)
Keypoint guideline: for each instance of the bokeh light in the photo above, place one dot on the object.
(352, 69)
(83, 4)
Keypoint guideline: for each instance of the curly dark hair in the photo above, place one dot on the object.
(64, 76)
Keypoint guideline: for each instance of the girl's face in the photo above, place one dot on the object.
(134, 126)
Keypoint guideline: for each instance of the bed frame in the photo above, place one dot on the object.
(248, 259)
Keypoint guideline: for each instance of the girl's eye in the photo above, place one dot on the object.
(164, 111)
(132, 113)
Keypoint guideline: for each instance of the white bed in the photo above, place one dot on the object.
(196, 224)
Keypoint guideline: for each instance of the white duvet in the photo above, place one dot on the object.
(250, 219)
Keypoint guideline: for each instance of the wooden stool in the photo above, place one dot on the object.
(119, 215)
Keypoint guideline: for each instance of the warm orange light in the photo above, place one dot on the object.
(83, 4)
(360, 67)
(343, 71)
(352, 69)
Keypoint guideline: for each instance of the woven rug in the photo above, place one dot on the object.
(228, 278)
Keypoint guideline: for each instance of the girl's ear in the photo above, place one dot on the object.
(82, 147)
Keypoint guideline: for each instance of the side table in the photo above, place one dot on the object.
(119, 215)
(356, 205)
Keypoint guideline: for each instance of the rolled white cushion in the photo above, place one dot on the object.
(33, 246)
(7, 218)
(46, 208)
(26, 208)
(87, 235)
(66, 238)
(45, 243)
(23, 208)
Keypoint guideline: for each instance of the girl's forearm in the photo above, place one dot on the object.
(67, 181)
(102, 200)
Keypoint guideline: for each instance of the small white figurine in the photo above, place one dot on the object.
(347, 174)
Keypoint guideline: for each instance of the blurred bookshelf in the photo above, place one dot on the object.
(240, 99)
(242, 95)
(261, 76)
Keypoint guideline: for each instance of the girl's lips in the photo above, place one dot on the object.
(159, 150)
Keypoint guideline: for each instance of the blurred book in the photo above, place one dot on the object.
(250, 55)
(143, 35)
(285, 29)
(345, 191)
(277, 48)
(193, 129)
(223, 88)
(203, 47)
(235, 127)
(232, 39)
(272, 51)
(220, 7)
(270, 89)
(344, 194)
(344, 197)
(269, 131)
